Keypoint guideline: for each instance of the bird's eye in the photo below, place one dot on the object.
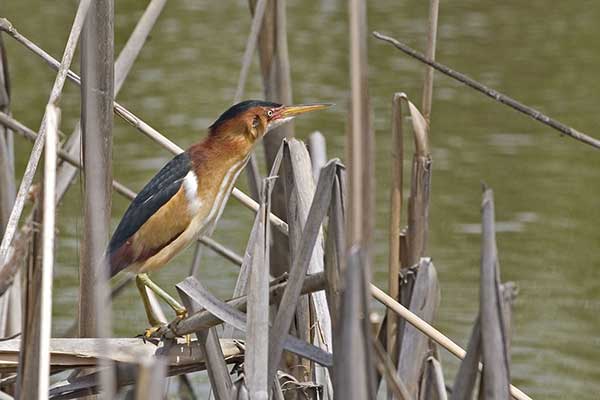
(256, 122)
(270, 113)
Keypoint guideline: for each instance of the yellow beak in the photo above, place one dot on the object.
(292, 111)
(285, 114)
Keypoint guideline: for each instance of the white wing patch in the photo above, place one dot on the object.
(190, 186)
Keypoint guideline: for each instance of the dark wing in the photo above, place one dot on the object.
(153, 196)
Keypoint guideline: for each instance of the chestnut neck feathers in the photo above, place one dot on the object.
(218, 153)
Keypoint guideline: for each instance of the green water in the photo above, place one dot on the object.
(546, 187)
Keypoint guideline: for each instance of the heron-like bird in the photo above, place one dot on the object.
(187, 196)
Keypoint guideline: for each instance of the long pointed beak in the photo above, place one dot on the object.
(292, 111)
(287, 113)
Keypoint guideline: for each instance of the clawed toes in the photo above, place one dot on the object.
(153, 334)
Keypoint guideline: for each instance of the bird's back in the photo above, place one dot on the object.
(161, 188)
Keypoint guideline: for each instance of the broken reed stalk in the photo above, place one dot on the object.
(335, 254)
(51, 143)
(300, 264)
(500, 97)
(313, 321)
(395, 221)
(416, 293)
(434, 6)
(418, 201)
(496, 377)
(36, 152)
(256, 363)
(132, 119)
(490, 337)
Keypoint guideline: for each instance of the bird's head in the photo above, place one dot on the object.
(250, 120)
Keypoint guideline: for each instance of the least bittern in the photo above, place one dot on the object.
(187, 196)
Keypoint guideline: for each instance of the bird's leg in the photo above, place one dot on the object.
(155, 322)
(143, 281)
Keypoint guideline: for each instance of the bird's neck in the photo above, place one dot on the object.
(214, 158)
(218, 153)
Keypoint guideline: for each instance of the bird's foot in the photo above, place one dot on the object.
(152, 331)
(154, 334)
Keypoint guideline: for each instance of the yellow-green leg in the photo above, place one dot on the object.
(143, 281)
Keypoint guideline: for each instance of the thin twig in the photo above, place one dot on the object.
(502, 98)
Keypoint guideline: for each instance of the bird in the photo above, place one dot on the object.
(187, 196)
